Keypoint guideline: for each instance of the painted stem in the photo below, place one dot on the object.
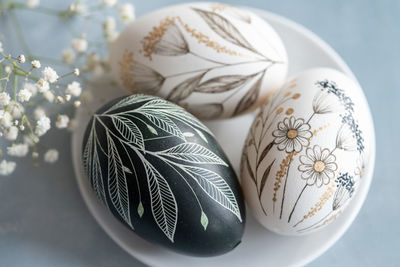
(314, 224)
(295, 204)
(284, 186)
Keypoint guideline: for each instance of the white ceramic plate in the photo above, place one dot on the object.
(259, 247)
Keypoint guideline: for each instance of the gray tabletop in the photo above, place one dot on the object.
(44, 221)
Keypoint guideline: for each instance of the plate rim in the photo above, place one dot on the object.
(368, 177)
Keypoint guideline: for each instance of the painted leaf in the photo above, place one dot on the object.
(117, 184)
(204, 220)
(97, 178)
(145, 79)
(224, 28)
(215, 187)
(163, 204)
(185, 88)
(172, 43)
(264, 153)
(140, 209)
(223, 83)
(265, 177)
(250, 170)
(129, 100)
(151, 129)
(207, 111)
(128, 130)
(193, 153)
(163, 122)
(188, 134)
(188, 119)
(250, 98)
(87, 152)
(202, 136)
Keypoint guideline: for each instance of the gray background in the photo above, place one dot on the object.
(44, 221)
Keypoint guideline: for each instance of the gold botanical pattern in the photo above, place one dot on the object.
(173, 37)
(317, 166)
(320, 204)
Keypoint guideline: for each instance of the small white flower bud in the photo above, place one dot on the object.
(21, 59)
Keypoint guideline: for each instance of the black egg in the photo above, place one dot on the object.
(161, 172)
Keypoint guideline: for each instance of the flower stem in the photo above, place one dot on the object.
(295, 204)
(314, 224)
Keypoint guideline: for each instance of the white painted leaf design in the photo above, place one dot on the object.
(187, 118)
(223, 83)
(204, 220)
(129, 100)
(185, 88)
(128, 130)
(97, 178)
(224, 28)
(202, 136)
(87, 152)
(163, 122)
(193, 153)
(117, 184)
(216, 187)
(163, 203)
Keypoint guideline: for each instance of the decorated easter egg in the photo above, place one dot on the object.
(161, 172)
(216, 60)
(305, 153)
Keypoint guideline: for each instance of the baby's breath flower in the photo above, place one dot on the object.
(22, 128)
(80, 44)
(16, 109)
(74, 89)
(77, 103)
(50, 75)
(42, 126)
(126, 12)
(7, 167)
(35, 155)
(109, 3)
(68, 56)
(43, 85)
(1, 48)
(21, 59)
(38, 113)
(49, 96)
(78, 7)
(8, 69)
(18, 150)
(5, 119)
(11, 133)
(32, 3)
(67, 97)
(24, 95)
(32, 88)
(76, 72)
(109, 25)
(60, 100)
(62, 121)
(36, 64)
(16, 122)
(4, 99)
(51, 156)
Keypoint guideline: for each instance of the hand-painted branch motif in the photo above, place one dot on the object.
(188, 160)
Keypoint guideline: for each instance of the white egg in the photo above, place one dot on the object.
(305, 153)
(216, 60)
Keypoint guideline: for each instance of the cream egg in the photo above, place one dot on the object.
(305, 153)
(215, 60)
